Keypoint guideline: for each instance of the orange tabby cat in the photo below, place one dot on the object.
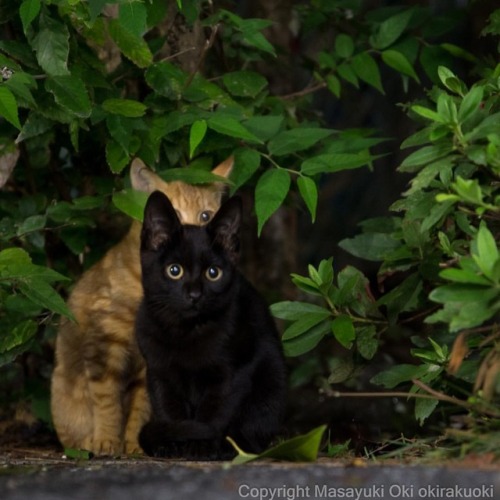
(99, 401)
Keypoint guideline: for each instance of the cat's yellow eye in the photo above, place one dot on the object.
(205, 216)
(213, 273)
(175, 271)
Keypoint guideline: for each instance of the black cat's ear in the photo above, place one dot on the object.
(160, 221)
(225, 227)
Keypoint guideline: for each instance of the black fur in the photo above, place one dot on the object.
(214, 361)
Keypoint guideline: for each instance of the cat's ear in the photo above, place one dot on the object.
(160, 222)
(142, 178)
(225, 168)
(225, 227)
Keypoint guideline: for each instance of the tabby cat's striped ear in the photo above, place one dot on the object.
(142, 178)
(160, 222)
(225, 168)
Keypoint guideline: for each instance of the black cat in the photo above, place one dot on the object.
(214, 361)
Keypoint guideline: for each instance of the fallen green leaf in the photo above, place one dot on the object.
(303, 448)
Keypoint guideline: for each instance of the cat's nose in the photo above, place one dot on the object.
(194, 294)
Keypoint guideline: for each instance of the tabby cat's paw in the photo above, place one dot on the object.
(107, 447)
(133, 448)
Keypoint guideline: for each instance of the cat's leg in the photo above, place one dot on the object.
(106, 393)
(106, 365)
(261, 413)
(71, 409)
(71, 404)
(139, 413)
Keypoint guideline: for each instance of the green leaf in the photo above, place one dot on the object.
(425, 177)
(227, 125)
(116, 156)
(302, 448)
(424, 408)
(70, 93)
(51, 45)
(258, 41)
(450, 80)
(296, 139)
(427, 113)
(270, 192)
(246, 163)
(196, 135)
(244, 83)
(456, 51)
(305, 284)
(459, 292)
(343, 330)
(19, 84)
(19, 340)
(470, 103)
(333, 84)
(341, 369)
(166, 79)
(192, 175)
(78, 454)
(132, 17)
(486, 254)
(344, 46)
(14, 255)
(304, 324)
(309, 192)
(469, 190)
(370, 246)
(335, 162)
(264, 127)
(367, 70)
(8, 107)
(18, 336)
(391, 29)
(132, 46)
(346, 72)
(403, 297)
(424, 155)
(398, 61)
(307, 341)
(125, 107)
(325, 272)
(398, 374)
(460, 316)
(131, 202)
(366, 341)
(40, 292)
(464, 276)
(28, 11)
(294, 310)
(95, 8)
(31, 224)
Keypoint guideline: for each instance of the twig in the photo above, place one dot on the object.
(206, 48)
(439, 395)
(177, 54)
(380, 394)
(303, 92)
(430, 394)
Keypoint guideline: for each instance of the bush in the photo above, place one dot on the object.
(87, 86)
(442, 248)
